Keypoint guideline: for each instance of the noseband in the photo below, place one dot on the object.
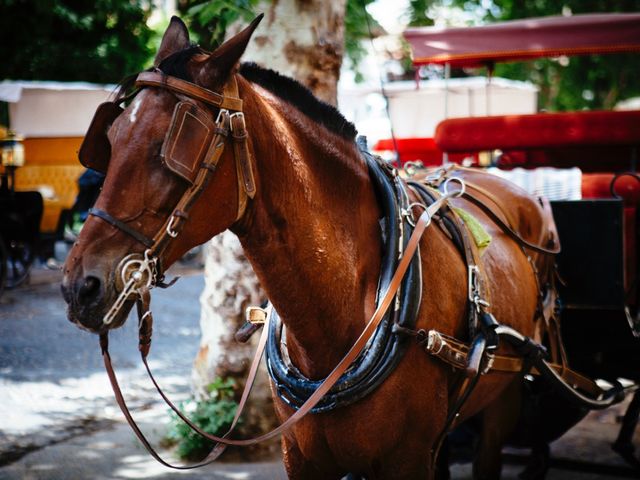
(194, 161)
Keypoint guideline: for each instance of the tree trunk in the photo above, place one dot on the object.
(230, 287)
(303, 39)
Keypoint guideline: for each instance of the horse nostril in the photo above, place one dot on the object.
(89, 290)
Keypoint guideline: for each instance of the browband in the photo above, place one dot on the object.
(159, 79)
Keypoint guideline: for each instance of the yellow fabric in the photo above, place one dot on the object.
(480, 236)
(58, 185)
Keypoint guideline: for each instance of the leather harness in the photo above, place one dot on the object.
(139, 273)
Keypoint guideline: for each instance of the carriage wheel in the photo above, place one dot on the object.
(3, 265)
(18, 263)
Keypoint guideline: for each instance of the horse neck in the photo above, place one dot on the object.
(312, 233)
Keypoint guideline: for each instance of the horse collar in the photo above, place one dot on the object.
(387, 346)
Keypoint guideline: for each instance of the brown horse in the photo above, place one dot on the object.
(313, 236)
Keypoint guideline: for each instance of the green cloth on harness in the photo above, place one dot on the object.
(480, 236)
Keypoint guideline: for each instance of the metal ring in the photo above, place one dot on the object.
(134, 266)
(411, 167)
(457, 193)
(170, 231)
(408, 212)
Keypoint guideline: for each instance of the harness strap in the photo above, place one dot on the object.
(146, 241)
(492, 198)
(175, 223)
(244, 164)
(507, 229)
(159, 79)
(455, 353)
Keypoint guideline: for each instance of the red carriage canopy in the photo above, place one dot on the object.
(526, 39)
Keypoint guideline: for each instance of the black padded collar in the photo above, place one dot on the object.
(387, 346)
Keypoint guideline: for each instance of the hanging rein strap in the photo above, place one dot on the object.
(507, 229)
(145, 332)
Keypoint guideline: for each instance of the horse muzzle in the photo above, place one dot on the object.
(99, 300)
(89, 295)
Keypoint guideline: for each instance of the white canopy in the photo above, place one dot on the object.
(52, 109)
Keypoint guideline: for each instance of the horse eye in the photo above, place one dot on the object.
(156, 148)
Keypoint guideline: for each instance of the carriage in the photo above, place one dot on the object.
(598, 227)
(20, 214)
(445, 284)
(39, 172)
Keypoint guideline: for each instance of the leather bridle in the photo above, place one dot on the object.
(136, 274)
(142, 271)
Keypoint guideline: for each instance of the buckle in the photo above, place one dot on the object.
(174, 227)
(256, 315)
(222, 113)
(170, 227)
(473, 288)
(239, 115)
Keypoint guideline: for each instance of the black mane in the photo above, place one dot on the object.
(283, 87)
(301, 97)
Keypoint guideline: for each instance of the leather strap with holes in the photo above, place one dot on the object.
(454, 352)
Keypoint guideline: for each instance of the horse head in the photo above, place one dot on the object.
(156, 152)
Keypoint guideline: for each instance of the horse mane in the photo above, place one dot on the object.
(285, 88)
(124, 87)
(299, 96)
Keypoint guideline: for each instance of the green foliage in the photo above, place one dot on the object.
(359, 27)
(208, 20)
(67, 40)
(418, 16)
(588, 82)
(213, 415)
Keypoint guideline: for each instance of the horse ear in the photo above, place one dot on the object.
(175, 38)
(221, 62)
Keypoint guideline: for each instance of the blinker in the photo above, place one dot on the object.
(187, 141)
(185, 145)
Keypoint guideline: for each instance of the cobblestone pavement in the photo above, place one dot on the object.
(59, 419)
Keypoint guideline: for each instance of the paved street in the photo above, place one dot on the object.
(52, 372)
(59, 419)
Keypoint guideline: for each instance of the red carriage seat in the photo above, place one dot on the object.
(594, 141)
(423, 149)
